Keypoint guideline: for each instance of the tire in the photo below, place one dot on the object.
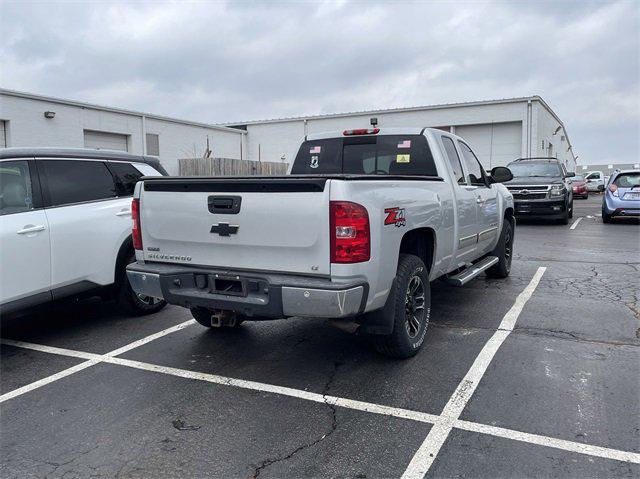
(606, 218)
(571, 209)
(131, 302)
(601, 188)
(203, 316)
(564, 219)
(504, 252)
(411, 310)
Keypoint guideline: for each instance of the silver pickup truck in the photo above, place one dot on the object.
(356, 232)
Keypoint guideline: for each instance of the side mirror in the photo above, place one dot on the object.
(501, 174)
(571, 174)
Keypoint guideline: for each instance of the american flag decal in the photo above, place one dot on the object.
(405, 144)
(315, 150)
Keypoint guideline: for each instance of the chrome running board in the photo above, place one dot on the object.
(472, 271)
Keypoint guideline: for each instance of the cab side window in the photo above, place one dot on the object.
(476, 176)
(16, 195)
(454, 159)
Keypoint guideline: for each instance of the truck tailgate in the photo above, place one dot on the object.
(282, 224)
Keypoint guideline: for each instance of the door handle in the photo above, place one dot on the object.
(479, 200)
(124, 213)
(30, 229)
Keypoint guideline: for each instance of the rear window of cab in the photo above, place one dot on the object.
(366, 155)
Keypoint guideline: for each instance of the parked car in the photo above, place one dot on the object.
(595, 180)
(622, 196)
(579, 187)
(65, 227)
(363, 224)
(541, 188)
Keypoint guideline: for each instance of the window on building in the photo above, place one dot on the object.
(76, 181)
(474, 168)
(153, 144)
(454, 159)
(3, 134)
(126, 177)
(15, 187)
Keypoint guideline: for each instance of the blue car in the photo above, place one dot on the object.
(622, 195)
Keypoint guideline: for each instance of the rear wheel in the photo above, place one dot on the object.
(606, 218)
(504, 252)
(132, 302)
(571, 209)
(411, 310)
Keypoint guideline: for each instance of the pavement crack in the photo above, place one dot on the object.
(58, 465)
(555, 333)
(334, 424)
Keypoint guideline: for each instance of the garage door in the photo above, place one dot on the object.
(496, 144)
(105, 141)
(3, 134)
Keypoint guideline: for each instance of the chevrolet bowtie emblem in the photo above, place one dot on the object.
(224, 229)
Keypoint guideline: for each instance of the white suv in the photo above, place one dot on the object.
(65, 225)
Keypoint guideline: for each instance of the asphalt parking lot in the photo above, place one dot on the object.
(534, 376)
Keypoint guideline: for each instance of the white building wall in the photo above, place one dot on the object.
(550, 131)
(282, 137)
(189, 141)
(272, 141)
(26, 126)
(497, 131)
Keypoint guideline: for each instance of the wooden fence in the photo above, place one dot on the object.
(229, 167)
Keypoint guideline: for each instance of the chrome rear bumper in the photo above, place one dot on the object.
(264, 295)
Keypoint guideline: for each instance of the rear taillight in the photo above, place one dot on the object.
(349, 230)
(613, 188)
(136, 231)
(362, 131)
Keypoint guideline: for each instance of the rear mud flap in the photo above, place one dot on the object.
(381, 320)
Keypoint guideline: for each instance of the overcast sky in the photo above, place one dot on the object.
(233, 61)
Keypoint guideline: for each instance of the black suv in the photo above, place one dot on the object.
(541, 188)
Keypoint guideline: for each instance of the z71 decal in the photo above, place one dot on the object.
(395, 216)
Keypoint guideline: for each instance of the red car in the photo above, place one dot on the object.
(579, 186)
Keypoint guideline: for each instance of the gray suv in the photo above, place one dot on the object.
(541, 188)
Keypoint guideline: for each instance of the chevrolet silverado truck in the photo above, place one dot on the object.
(356, 231)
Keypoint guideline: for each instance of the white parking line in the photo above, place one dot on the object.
(47, 380)
(570, 446)
(575, 223)
(442, 424)
(428, 451)
(93, 359)
(439, 422)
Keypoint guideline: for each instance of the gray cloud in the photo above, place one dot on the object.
(218, 62)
